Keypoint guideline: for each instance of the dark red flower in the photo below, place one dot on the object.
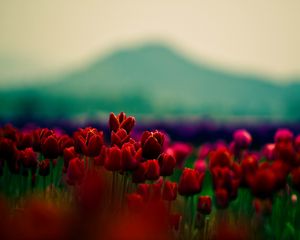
(129, 157)
(144, 190)
(220, 157)
(28, 158)
(204, 204)
(49, 147)
(120, 137)
(170, 191)
(263, 183)
(139, 174)
(222, 198)
(284, 150)
(65, 141)
(121, 121)
(44, 168)
(94, 144)
(190, 182)
(113, 162)
(7, 148)
(88, 141)
(75, 172)
(24, 140)
(152, 143)
(167, 164)
(69, 153)
(152, 170)
(101, 158)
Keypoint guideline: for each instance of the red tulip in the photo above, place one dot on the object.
(7, 148)
(44, 168)
(101, 158)
(75, 172)
(167, 164)
(222, 198)
(204, 204)
(88, 141)
(200, 165)
(190, 182)
(263, 183)
(69, 153)
(129, 157)
(170, 191)
(297, 143)
(113, 162)
(283, 135)
(139, 174)
(65, 141)
(120, 137)
(180, 151)
(220, 157)
(144, 190)
(28, 158)
(24, 140)
(49, 146)
(269, 151)
(152, 143)
(121, 121)
(152, 170)
(242, 138)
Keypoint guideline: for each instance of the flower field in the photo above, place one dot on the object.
(120, 183)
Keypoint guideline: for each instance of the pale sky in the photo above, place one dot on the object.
(256, 36)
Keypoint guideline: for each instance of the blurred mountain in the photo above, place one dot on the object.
(156, 80)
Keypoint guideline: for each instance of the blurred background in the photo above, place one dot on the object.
(224, 61)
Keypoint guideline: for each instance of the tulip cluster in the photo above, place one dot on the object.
(169, 187)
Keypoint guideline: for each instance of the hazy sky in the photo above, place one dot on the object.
(260, 36)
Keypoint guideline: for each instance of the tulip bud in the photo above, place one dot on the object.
(139, 174)
(49, 147)
(152, 143)
(242, 138)
(204, 205)
(170, 191)
(283, 135)
(69, 153)
(129, 161)
(113, 160)
(75, 172)
(190, 182)
(44, 168)
(28, 158)
(167, 164)
(153, 170)
(222, 198)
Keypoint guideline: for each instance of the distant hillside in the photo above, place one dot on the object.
(155, 80)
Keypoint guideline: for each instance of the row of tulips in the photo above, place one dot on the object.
(168, 190)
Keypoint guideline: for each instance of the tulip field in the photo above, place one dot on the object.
(136, 185)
